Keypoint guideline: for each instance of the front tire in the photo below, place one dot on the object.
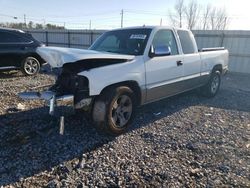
(30, 66)
(213, 85)
(114, 110)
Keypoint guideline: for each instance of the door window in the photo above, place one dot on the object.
(7, 37)
(166, 37)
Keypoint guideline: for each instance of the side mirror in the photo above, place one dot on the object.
(161, 50)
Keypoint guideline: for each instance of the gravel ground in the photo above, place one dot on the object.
(181, 141)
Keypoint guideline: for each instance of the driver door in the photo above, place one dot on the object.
(164, 74)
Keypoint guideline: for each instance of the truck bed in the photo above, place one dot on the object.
(211, 57)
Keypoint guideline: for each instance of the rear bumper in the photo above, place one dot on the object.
(52, 99)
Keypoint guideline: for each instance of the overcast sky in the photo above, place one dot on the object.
(106, 14)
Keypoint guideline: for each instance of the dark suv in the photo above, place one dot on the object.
(18, 51)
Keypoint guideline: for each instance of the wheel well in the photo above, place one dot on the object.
(217, 67)
(133, 85)
(35, 55)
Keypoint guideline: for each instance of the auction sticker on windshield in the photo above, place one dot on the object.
(138, 36)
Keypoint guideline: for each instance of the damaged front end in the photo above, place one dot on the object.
(67, 64)
(69, 88)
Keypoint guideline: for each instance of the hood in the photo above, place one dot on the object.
(57, 56)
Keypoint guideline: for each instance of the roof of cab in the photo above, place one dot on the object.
(149, 27)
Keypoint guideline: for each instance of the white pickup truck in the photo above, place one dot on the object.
(128, 67)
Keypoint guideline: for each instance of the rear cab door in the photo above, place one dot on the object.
(191, 60)
(164, 73)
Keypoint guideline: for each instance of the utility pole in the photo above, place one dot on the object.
(180, 20)
(24, 19)
(122, 12)
(44, 23)
(90, 24)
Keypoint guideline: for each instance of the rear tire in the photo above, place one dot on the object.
(30, 66)
(114, 109)
(213, 85)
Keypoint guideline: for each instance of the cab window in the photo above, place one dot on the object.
(166, 37)
(186, 42)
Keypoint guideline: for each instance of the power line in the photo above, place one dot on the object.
(109, 21)
(145, 12)
(62, 22)
(5, 15)
(89, 14)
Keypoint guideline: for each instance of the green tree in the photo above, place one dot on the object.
(39, 26)
(30, 25)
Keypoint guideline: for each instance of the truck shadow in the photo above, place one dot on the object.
(30, 142)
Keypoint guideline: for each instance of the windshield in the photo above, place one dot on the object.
(126, 41)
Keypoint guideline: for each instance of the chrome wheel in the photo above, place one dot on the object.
(121, 111)
(215, 84)
(31, 66)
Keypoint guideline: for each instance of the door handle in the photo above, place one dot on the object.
(179, 63)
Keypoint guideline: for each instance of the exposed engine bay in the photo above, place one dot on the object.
(68, 82)
(67, 65)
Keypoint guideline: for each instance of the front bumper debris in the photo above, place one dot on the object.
(48, 96)
(225, 70)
